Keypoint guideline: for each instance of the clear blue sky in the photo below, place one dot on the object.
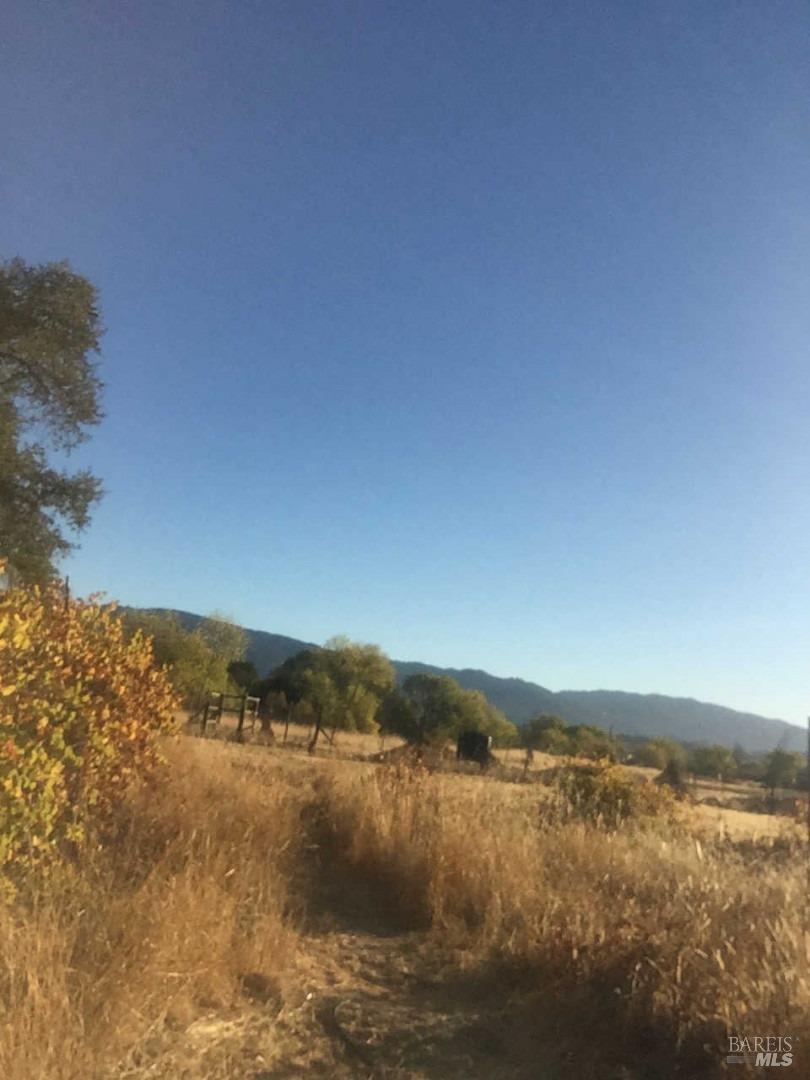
(478, 330)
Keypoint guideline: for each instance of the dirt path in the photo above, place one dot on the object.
(371, 1001)
(379, 1005)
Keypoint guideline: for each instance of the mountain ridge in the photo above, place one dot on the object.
(634, 714)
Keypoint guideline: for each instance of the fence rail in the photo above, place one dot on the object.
(216, 704)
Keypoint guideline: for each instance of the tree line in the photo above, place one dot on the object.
(343, 686)
(778, 769)
(349, 686)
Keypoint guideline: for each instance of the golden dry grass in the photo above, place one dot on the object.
(660, 941)
(191, 894)
(631, 949)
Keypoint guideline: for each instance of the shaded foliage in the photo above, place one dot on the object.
(434, 708)
(49, 389)
(342, 685)
(196, 661)
(714, 761)
(551, 735)
(782, 769)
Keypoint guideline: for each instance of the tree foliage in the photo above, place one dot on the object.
(342, 684)
(658, 753)
(197, 661)
(244, 674)
(345, 683)
(782, 769)
(551, 735)
(546, 733)
(288, 679)
(716, 761)
(226, 640)
(49, 389)
(81, 708)
(434, 708)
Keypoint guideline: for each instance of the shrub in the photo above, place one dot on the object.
(674, 776)
(80, 711)
(606, 794)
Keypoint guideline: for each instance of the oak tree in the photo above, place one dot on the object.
(49, 398)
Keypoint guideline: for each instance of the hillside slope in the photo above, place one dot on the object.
(627, 713)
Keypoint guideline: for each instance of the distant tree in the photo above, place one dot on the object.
(749, 766)
(556, 742)
(479, 714)
(228, 641)
(658, 753)
(287, 678)
(194, 662)
(782, 769)
(547, 734)
(343, 683)
(673, 774)
(397, 717)
(244, 674)
(424, 710)
(322, 695)
(362, 675)
(49, 390)
(716, 761)
(430, 709)
(592, 742)
(289, 681)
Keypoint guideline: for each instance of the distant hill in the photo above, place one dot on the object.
(647, 715)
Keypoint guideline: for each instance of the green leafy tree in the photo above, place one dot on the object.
(782, 769)
(658, 753)
(430, 709)
(593, 742)
(227, 640)
(197, 661)
(555, 741)
(749, 766)
(342, 683)
(716, 761)
(244, 674)
(477, 713)
(49, 390)
(547, 734)
(426, 709)
(362, 675)
(287, 685)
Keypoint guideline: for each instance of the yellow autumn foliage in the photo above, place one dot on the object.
(81, 709)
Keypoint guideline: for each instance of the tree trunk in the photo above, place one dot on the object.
(313, 741)
(290, 711)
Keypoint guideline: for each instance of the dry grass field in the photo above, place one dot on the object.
(259, 913)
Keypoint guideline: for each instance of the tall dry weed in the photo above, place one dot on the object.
(646, 940)
(171, 912)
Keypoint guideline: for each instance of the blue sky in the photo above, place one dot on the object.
(478, 330)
